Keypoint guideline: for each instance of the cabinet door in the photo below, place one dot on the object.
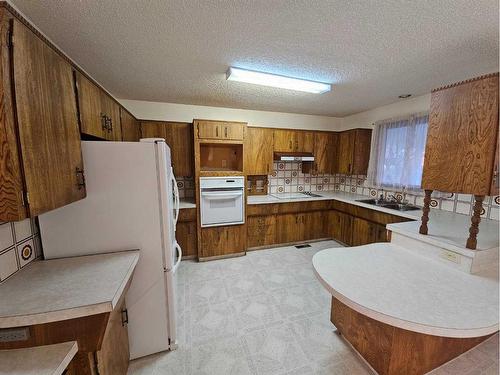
(219, 241)
(363, 232)
(131, 131)
(11, 178)
(261, 230)
(284, 140)
(179, 137)
(339, 226)
(90, 108)
(48, 125)
(112, 111)
(209, 129)
(232, 131)
(304, 141)
(186, 237)
(290, 228)
(114, 356)
(259, 151)
(325, 152)
(361, 156)
(153, 129)
(462, 137)
(346, 149)
(313, 225)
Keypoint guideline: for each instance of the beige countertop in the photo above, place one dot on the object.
(38, 360)
(446, 229)
(398, 287)
(59, 289)
(187, 203)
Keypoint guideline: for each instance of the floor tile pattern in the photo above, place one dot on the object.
(264, 313)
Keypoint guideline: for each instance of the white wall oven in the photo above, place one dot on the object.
(222, 201)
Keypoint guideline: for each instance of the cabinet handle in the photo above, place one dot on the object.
(350, 168)
(225, 132)
(80, 178)
(217, 131)
(296, 145)
(109, 123)
(103, 122)
(124, 317)
(290, 146)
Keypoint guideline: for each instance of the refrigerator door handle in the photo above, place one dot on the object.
(176, 198)
(179, 257)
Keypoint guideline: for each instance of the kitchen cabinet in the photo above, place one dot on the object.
(113, 358)
(286, 140)
(179, 137)
(354, 151)
(222, 130)
(365, 232)
(41, 164)
(325, 152)
(462, 137)
(131, 131)
(223, 241)
(262, 231)
(99, 113)
(258, 152)
(339, 226)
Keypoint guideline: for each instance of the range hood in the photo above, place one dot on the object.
(293, 156)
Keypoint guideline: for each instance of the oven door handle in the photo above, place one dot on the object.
(224, 195)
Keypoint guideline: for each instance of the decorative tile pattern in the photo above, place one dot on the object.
(186, 187)
(19, 245)
(288, 177)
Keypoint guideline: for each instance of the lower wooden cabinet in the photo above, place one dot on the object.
(286, 223)
(114, 356)
(222, 241)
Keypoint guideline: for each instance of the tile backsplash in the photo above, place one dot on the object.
(19, 245)
(186, 187)
(288, 178)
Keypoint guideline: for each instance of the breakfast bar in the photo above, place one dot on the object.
(404, 313)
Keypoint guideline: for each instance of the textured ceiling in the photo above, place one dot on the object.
(178, 51)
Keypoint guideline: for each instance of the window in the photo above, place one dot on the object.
(397, 152)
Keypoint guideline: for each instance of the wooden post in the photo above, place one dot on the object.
(425, 212)
(475, 220)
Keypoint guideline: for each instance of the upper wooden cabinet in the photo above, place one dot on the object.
(41, 164)
(99, 113)
(258, 151)
(326, 152)
(462, 138)
(286, 140)
(131, 130)
(222, 130)
(179, 137)
(354, 151)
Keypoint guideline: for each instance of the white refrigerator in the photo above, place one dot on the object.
(132, 203)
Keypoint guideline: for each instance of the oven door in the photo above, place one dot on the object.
(222, 207)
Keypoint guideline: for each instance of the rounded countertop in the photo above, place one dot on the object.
(395, 286)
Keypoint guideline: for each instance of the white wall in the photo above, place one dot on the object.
(186, 113)
(400, 108)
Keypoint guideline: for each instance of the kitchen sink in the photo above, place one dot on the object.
(391, 205)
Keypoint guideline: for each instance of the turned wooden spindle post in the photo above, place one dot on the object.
(425, 212)
(475, 220)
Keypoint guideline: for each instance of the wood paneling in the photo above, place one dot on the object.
(114, 356)
(131, 130)
(462, 137)
(187, 238)
(394, 351)
(222, 241)
(326, 152)
(179, 137)
(259, 151)
(47, 122)
(11, 178)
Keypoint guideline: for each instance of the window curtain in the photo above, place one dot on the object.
(397, 152)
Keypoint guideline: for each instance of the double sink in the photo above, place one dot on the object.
(390, 204)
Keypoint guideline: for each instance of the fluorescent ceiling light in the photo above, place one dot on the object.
(273, 80)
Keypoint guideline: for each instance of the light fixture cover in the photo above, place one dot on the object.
(273, 80)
